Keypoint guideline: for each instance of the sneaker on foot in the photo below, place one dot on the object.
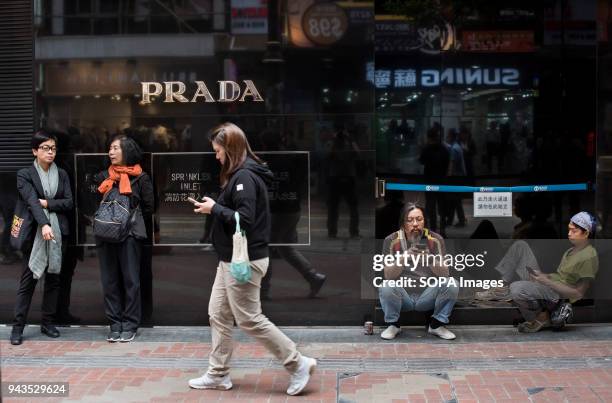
(494, 294)
(299, 379)
(533, 326)
(127, 336)
(562, 315)
(442, 332)
(113, 336)
(390, 332)
(207, 381)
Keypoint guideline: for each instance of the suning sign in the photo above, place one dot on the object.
(466, 76)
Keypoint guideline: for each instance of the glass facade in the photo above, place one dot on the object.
(343, 99)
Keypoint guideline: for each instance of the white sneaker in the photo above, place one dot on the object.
(391, 332)
(299, 379)
(207, 381)
(442, 333)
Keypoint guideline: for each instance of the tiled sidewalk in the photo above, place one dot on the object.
(406, 371)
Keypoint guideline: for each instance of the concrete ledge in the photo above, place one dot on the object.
(349, 334)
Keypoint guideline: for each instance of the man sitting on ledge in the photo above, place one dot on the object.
(537, 297)
(414, 238)
(539, 294)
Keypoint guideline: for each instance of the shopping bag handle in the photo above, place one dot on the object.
(237, 218)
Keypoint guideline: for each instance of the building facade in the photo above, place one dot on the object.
(339, 98)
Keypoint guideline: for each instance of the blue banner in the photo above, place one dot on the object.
(471, 189)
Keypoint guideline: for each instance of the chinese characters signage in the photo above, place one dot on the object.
(463, 76)
(249, 17)
(497, 41)
(498, 204)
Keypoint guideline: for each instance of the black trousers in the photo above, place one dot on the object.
(146, 283)
(26, 290)
(342, 188)
(454, 204)
(69, 263)
(284, 230)
(120, 273)
(435, 204)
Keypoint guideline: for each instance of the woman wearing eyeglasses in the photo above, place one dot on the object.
(45, 190)
(414, 238)
(120, 261)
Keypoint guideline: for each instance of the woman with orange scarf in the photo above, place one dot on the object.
(120, 261)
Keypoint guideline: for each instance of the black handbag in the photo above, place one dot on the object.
(138, 227)
(23, 223)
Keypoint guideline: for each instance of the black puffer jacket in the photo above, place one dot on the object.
(247, 193)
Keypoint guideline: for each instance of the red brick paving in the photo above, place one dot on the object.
(332, 350)
(269, 384)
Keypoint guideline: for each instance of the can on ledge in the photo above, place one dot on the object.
(368, 328)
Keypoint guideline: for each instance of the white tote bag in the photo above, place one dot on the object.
(240, 267)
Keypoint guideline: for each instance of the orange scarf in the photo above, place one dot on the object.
(121, 174)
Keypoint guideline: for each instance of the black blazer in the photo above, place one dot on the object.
(31, 190)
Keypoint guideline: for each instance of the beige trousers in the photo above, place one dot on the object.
(231, 301)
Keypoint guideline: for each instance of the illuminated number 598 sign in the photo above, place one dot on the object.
(324, 23)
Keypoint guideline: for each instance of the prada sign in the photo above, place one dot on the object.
(176, 91)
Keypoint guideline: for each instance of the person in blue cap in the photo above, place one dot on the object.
(540, 296)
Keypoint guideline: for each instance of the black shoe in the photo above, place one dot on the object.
(50, 331)
(67, 320)
(316, 282)
(127, 336)
(16, 336)
(113, 336)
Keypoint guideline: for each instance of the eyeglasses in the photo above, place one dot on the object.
(47, 149)
(415, 219)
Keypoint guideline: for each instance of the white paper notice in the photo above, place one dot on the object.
(493, 204)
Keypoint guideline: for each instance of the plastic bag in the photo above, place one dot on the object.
(240, 268)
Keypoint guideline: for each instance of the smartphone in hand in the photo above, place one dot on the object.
(420, 247)
(192, 200)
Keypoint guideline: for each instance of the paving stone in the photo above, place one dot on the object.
(479, 371)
